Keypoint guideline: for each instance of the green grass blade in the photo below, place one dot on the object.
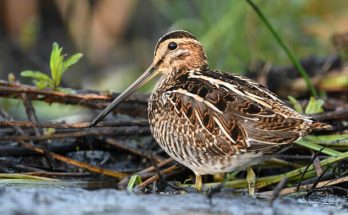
(298, 172)
(292, 175)
(330, 140)
(24, 177)
(317, 147)
(291, 56)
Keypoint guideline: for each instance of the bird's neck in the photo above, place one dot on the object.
(167, 79)
(170, 77)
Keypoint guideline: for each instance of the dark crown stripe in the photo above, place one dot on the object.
(175, 35)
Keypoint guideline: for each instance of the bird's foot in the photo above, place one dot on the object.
(198, 183)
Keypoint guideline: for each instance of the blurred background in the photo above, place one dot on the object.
(117, 37)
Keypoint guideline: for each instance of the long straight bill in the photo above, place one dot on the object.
(145, 77)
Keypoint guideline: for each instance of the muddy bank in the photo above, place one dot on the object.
(60, 200)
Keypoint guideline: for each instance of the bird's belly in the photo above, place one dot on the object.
(178, 138)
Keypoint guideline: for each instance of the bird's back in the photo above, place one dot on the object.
(244, 112)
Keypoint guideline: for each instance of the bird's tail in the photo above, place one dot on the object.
(317, 126)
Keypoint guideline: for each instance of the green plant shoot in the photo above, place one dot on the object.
(297, 106)
(58, 66)
(133, 181)
(314, 106)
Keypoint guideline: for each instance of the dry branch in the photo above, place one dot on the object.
(29, 109)
(143, 153)
(145, 172)
(156, 177)
(95, 169)
(81, 95)
(134, 105)
(76, 145)
(106, 131)
(77, 125)
(332, 115)
(91, 131)
(287, 191)
(115, 174)
(19, 167)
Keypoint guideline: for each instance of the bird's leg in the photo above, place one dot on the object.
(198, 183)
(251, 179)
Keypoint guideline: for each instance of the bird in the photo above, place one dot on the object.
(210, 121)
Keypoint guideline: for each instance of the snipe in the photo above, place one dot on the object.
(209, 121)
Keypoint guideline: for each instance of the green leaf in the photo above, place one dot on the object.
(41, 84)
(314, 106)
(71, 61)
(41, 80)
(35, 75)
(295, 104)
(133, 181)
(56, 64)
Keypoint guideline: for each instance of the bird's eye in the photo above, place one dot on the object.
(172, 46)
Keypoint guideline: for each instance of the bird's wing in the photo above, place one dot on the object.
(244, 112)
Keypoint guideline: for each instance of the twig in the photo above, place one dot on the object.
(86, 95)
(115, 174)
(290, 190)
(95, 169)
(21, 167)
(77, 125)
(15, 151)
(30, 111)
(340, 115)
(92, 131)
(277, 190)
(320, 177)
(60, 149)
(153, 168)
(156, 177)
(147, 154)
(145, 173)
(91, 99)
(305, 170)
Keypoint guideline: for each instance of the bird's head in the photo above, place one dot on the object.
(178, 50)
(175, 51)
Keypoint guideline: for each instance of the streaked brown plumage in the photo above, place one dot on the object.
(210, 121)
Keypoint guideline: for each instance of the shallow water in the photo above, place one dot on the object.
(44, 199)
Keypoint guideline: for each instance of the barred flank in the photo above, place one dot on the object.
(317, 126)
